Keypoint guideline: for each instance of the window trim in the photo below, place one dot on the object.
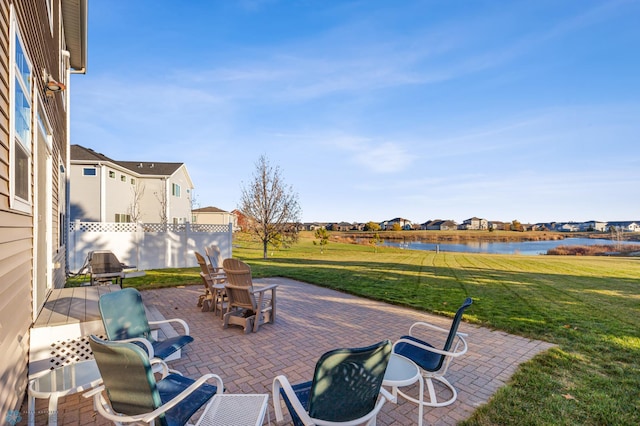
(16, 202)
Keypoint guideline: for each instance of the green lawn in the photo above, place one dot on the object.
(588, 306)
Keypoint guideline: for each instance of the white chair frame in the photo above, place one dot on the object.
(438, 375)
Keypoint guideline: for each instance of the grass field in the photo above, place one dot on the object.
(588, 306)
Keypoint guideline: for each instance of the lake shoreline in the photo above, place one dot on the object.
(361, 237)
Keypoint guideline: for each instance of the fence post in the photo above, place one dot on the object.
(185, 243)
(230, 237)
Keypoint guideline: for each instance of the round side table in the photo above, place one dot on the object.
(402, 371)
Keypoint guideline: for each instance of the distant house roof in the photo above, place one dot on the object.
(209, 209)
(80, 153)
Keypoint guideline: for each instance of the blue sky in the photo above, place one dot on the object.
(526, 110)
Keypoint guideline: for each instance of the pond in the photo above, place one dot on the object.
(520, 247)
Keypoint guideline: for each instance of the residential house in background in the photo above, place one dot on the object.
(341, 226)
(626, 226)
(43, 43)
(214, 216)
(440, 225)
(106, 190)
(405, 224)
(593, 225)
(475, 223)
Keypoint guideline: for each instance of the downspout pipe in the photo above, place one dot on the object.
(67, 163)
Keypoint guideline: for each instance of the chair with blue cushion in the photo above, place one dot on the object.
(434, 362)
(346, 388)
(125, 319)
(133, 394)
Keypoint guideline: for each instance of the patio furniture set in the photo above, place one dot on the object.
(129, 379)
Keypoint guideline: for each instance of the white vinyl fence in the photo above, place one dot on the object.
(147, 245)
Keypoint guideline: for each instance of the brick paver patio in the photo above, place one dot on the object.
(312, 320)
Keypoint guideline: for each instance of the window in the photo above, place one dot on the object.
(175, 190)
(21, 123)
(133, 181)
(112, 174)
(89, 171)
(123, 218)
(123, 178)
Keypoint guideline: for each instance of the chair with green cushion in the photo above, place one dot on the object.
(346, 388)
(134, 395)
(434, 362)
(125, 319)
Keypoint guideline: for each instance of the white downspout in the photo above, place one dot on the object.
(67, 163)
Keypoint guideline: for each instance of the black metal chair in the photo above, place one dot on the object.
(346, 388)
(434, 362)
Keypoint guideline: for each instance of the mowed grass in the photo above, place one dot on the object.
(588, 306)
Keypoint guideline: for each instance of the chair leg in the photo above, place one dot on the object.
(433, 398)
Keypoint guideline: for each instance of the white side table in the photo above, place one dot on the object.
(402, 371)
(235, 410)
(62, 381)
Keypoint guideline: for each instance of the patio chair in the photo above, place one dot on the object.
(207, 300)
(215, 262)
(104, 267)
(434, 362)
(124, 319)
(248, 305)
(216, 296)
(346, 388)
(133, 394)
(238, 273)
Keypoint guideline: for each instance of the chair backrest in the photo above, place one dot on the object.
(204, 268)
(454, 325)
(127, 376)
(238, 272)
(346, 382)
(104, 262)
(123, 315)
(241, 297)
(213, 254)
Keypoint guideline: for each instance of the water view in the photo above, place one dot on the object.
(521, 247)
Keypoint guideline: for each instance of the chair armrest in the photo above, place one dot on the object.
(178, 320)
(94, 391)
(282, 382)
(261, 289)
(388, 395)
(164, 368)
(455, 353)
(145, 342)
(104, 408)
(182, 395)
(426, 325)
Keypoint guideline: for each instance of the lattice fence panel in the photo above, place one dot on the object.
(65, 352)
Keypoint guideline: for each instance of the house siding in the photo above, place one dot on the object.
(17, 229)
(15, 259)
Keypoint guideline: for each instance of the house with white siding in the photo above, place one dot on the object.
(106, 190)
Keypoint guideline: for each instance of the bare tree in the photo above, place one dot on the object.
(270, 206)
(134, 208)
(161, 196)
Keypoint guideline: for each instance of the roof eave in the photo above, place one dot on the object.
(75, 19)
